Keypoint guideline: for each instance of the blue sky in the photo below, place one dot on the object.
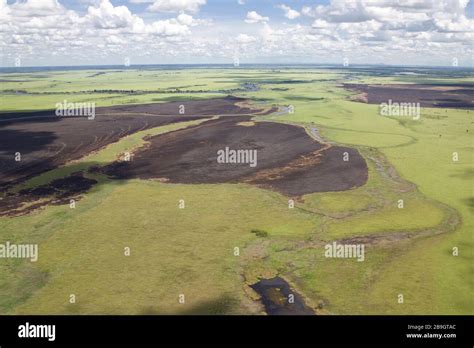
(226, 10)
(213, 8)
(77, 32)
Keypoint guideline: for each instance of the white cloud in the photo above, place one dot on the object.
(186, 19)
(115, 40)
(35, 8)
(191, 6)
(254, 17)
(190, 21)
(400, 12)
(289, 12)
(386, 20)
(245, 39)
(320, 24)
(106, 16)
(168, 27)
(461, 24)
(367, 31)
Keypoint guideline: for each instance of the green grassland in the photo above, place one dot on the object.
(190, 251)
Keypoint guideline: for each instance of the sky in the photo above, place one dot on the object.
(109, 32)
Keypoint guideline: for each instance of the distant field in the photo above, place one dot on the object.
(191, 251)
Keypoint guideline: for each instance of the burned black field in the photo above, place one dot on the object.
(428, 95)
(46, 141)
(288, 161)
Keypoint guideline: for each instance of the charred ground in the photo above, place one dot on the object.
(432, 95)
(289, 161)
(46, 141)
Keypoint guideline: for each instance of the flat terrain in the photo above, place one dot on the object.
(288, 160)
(207, 107)
(431, 95)
(191, 250)
(46, 141)
(59, 191)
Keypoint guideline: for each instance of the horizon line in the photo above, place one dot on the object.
(231, 65)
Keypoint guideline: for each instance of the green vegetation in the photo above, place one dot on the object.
(260, 233)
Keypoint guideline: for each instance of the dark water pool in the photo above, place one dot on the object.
(275, 293)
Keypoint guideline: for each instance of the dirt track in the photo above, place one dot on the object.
(440, 96)
(289, 161)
